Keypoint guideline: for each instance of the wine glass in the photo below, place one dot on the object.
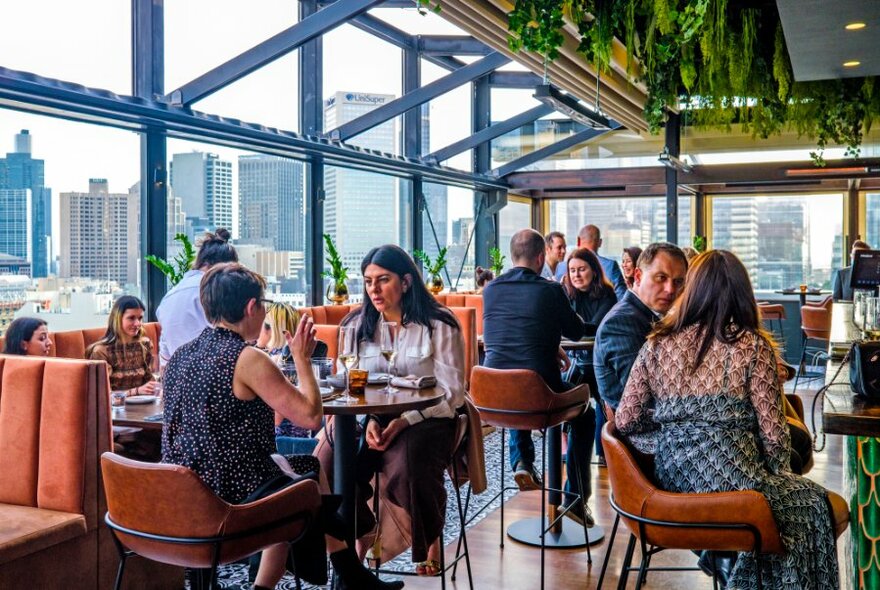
(348, 356)
(388, 348)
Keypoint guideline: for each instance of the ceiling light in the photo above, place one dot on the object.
(855, 26)
(674, 162)
(851, 64)
(571, 107)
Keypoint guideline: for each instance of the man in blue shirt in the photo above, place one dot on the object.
(591, 238)
(554, 254)
(659, 279)
(524, 318)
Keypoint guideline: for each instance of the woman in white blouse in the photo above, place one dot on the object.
(411, 450)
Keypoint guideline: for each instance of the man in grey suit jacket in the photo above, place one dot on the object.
(659, 279)
(841, 291)
(591, 238)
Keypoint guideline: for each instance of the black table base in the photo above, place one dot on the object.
(528, 531)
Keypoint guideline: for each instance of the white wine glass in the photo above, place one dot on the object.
(388, 348)
(348, 356)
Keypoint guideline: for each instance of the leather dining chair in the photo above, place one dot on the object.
(815, 325)
(519, 399)
(167, 514)
(774, 312)
(658, 520)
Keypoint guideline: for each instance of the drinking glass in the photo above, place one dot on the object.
(388, 348)
(348, 356)
(322, 367)
(872, 317)
(859, 296)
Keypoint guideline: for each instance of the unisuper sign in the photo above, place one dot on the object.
(365, 98)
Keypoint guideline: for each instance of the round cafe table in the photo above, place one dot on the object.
(346, 437)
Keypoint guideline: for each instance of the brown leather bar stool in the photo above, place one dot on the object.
(774, 312)
(815, 325)
(166, 513)
(519, 399)
(719, 521)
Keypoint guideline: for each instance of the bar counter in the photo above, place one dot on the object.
(858, 419)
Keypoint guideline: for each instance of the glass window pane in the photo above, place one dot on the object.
(622, 222)
(514, 217)
(258, 197)
(363, 210)
(448, 221)
(784, 241)
(69, 217)
(872, 219)
(84, 42)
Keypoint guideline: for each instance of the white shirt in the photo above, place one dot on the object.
(420, 354)
(180, 315)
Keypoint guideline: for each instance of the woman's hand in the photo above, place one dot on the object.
(380, 441)
(148, 388)
(302, 344)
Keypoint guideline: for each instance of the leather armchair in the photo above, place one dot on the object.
(167, 514)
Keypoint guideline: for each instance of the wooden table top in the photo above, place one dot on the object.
(373, 402)
(843, 412)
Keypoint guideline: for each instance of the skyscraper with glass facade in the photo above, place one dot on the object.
(361, 202)
(270, 191)
(20, 171)
(203, 183)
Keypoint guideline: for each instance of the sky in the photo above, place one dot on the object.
(89, 43)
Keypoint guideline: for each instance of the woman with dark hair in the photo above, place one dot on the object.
(28, 337)
(411, 450)
(592, 296)
(221, 395)
(180, 312)
(628, 262)
(707, 377)
(482, 276)
(126, 348)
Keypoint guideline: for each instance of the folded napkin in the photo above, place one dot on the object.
(413, 382)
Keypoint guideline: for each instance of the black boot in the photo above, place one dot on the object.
(353, 575)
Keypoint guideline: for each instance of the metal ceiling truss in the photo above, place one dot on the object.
(554, 148)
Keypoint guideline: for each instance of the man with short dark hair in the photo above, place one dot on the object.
(841, 290)
(524, 318)
(554, 253)
(659, 279)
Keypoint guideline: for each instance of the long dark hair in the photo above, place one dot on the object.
(633, 252)
(20, 331)
(418, 305)
(114, 325)
(718, 298)
(599, 286)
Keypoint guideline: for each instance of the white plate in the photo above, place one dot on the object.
(378, 378)
(326, 391)
(141, 399)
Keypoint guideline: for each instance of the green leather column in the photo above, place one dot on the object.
(862, 484)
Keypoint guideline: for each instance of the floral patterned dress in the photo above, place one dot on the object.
(722, 428)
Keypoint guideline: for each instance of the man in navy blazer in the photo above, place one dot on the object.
(524, 318)
(840, 290)
(659, 279)
(591, 238)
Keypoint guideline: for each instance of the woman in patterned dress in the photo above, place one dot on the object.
(126, 348)
(707, 378)
(221, 395)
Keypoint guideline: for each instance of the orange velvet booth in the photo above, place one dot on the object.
(72, 344)
(54, 424)
(474, 300)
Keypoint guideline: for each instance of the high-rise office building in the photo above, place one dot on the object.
(360, 207)
(100, 234)
(20, 171)
(203, 183)
(15, 223)
(436, 200)
(784, 247)
(270, 214)
(735, 228)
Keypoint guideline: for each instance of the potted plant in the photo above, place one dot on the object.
(497, 259)
(433, 268)
(179, 265)
(699, 243)
(337, 290)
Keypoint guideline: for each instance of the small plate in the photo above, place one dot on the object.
(326, 391)
(378, 378)
(141, 399)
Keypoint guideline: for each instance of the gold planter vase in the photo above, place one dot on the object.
(337, 293)
(436, 285)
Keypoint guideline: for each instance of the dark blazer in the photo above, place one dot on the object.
(618, 341)
(841, 291)
(524, 318)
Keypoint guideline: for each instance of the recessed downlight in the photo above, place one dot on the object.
(855, 26)
(851, 64)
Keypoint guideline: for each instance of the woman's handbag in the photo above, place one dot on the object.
(864, 371)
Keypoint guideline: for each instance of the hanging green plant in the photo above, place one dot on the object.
(719, 62)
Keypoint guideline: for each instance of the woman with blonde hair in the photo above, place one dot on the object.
(126, 348)
(706, 383)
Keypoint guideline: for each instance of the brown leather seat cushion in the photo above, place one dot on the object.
(839, 513)
(25, 530)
